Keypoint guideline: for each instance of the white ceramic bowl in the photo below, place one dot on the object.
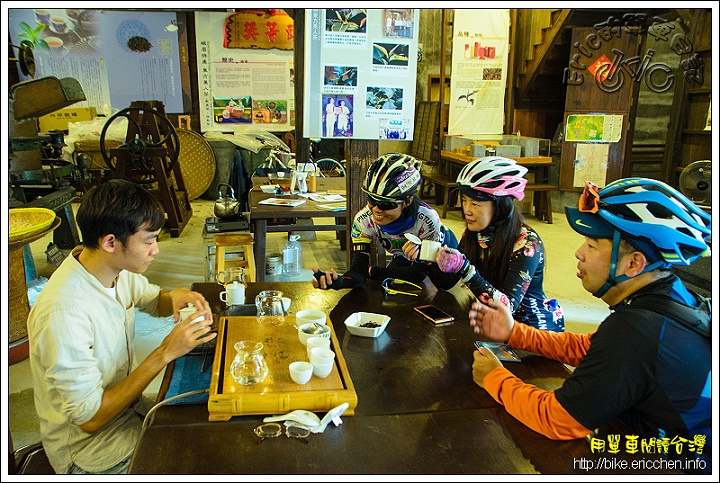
(287, 301)
(301, 371)
(303, 335)
(355, 321)
(309, 316)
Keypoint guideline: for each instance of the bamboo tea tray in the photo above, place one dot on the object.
(277, 394)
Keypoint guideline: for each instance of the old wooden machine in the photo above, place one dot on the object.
(149, 156)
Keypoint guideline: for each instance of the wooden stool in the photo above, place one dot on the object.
(542, 200)
(448, 186)
(244, 240)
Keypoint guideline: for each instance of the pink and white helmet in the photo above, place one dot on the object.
(493, 175)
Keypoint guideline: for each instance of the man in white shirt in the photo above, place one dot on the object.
(81, 330)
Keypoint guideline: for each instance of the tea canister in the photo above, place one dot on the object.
(274, 264)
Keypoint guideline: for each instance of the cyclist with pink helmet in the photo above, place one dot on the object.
(499, 256)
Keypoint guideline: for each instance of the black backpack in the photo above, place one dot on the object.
(696, 319)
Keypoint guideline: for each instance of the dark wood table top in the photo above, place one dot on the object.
(418, 412)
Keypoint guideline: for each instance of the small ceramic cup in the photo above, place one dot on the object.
(301, 371)
(316, 342)
(187, 311)
(55, 44)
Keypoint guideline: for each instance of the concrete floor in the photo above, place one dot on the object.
(183, 260)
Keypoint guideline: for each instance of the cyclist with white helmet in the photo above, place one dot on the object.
(647, 363)
(393, 209)
(499, 255)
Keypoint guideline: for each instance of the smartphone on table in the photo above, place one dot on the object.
(434, 314)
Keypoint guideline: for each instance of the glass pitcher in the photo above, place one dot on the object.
(270, 307)
(233, 274)
(249, 366)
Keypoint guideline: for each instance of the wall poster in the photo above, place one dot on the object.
(479, 71)
(245, 70)
(360, 70)
(118, 57)
(591, 164)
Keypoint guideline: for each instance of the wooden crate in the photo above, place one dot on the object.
(277, 394)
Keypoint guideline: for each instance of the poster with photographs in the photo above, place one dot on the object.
(245, 71)
(360, 70)
(479, 71)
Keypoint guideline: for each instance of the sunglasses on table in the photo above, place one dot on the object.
(389, 285)
(589, 199)
(384, 205)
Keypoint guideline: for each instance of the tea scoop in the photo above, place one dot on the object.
(299, 416)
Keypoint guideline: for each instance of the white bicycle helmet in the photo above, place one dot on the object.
(393, 177)
(492, 175)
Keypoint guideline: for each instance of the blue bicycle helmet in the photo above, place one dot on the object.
(656, 219)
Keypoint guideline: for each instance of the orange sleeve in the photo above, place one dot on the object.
(535, 408)
(565, 347)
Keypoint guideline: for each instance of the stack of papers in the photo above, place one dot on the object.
(281, 202)
(339, 206)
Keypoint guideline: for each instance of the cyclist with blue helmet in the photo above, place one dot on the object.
(646, 364)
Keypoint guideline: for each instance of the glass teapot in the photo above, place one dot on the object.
(249, 366)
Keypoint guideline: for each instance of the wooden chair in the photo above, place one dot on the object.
(542, 200)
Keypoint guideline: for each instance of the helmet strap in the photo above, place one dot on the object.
(612, 279)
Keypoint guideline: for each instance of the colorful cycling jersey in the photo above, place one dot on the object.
(426, 226)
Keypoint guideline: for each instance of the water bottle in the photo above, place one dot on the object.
(292, 256)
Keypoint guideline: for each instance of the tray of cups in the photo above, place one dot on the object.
(329, 385)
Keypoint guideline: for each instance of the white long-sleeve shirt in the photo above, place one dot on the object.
(81, 338)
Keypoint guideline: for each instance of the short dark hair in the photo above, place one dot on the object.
(117, 207)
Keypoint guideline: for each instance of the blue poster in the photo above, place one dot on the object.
(118, 57)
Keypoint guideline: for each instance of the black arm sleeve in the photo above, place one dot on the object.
(402, 268)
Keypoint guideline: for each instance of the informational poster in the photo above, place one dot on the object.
(118, 57)
(479, 71)
(360, 71)
(591, 164)
(245, 70)
(602, 128)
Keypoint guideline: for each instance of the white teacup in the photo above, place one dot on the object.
(321, 355)
(317, 342)
(187, 311)
(59, 24)
(301, 371)
(323, 370)
(234, 294)
(429, 250)
(55, 44)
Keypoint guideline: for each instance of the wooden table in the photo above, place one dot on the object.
(418, 412)
(260, 215)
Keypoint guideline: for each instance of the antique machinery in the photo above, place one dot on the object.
(149, 155)
(38, 175)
